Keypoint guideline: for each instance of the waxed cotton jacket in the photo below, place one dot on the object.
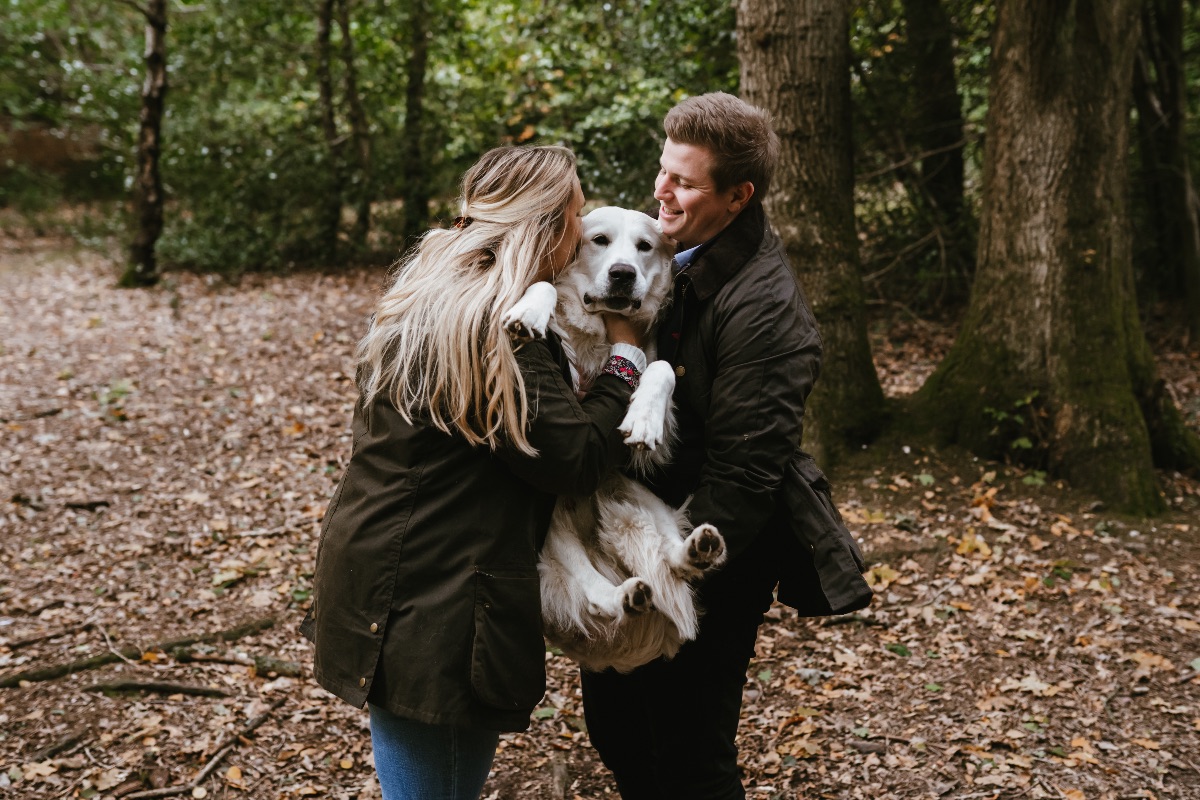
(746, 352)
(426, 598)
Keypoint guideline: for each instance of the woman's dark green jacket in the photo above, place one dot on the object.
(426, 598)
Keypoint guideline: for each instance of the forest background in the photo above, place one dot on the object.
(989, 204)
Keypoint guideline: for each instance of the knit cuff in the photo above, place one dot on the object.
(630, 352)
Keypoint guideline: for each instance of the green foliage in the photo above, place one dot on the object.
(246, 168)
(1019, 433)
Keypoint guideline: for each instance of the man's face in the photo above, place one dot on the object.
(692, 210)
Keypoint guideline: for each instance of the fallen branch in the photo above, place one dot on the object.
(87, 505)
(263, 665)
(157, 688)
(851, 618)
(60, 746)
(45, 637)
(83, 664)
(222, 750)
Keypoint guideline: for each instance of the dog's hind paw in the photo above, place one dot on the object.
(705, 548)
(530, 317)
(637, 598)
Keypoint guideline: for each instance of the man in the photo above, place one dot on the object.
(746, 353)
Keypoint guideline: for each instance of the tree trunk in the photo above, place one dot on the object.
(795, 62)
(331, 212)
(1051, 362)
(142, 269)
(938, 126)
(416, 178)
(1160, 93)
(360, 130)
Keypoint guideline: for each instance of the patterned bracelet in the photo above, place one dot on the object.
(624, 369)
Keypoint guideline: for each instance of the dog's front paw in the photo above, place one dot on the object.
(636, 597)
(705, 548)
(645, 424)
(642, 430)
(530, 317)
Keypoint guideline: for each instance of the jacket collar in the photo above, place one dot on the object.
(729, 252)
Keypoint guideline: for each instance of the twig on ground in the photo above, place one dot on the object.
(157, 687)
(114, 651)
(61, 746)
(45, 637)
(222, 750)
(851, 618)
(58, 671)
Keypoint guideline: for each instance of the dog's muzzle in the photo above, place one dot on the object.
(619, 293)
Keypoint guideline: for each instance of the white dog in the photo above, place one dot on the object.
(617, 568)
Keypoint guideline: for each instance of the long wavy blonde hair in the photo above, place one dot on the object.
(435, 346)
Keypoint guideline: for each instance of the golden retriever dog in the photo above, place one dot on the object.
(617, 568)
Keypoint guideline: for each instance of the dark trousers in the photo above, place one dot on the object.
(667, 729)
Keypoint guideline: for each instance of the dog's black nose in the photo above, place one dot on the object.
(621, 273)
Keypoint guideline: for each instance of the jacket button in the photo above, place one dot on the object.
(374, 627)
(362, 681)
(681, 370)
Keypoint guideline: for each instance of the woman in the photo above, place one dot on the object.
(426, 603)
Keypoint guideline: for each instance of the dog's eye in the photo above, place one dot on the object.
(644, 246)
(601, 240)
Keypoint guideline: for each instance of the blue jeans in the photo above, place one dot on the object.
(418, 761)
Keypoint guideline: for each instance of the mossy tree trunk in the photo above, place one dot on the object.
(360, 130)
(938, 131)
(331, 211)
(416, 173)
(142, 268)
(1173, 211)
(1051, 363)
(795, 62)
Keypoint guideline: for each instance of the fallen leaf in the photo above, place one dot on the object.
(973, 544)
(881, 576)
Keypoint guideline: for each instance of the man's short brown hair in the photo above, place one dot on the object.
(739, 135)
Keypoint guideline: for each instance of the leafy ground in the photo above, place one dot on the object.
(167, 456)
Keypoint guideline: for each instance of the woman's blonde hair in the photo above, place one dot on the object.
(435, 346)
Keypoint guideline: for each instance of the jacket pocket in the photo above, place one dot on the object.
(508, 654)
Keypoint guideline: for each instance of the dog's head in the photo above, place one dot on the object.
(623, 264)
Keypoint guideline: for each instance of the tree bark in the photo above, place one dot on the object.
(142, 269)
(416, 177)
(1160, 92)
(1051, 361)
(331, 212)
(359, 130)
(938, 127)
(795, 62)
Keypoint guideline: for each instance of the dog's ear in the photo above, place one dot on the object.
(671, 243)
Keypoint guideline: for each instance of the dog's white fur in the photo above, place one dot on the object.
(617, 568)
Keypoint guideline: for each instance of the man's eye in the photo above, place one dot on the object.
(644, 246)
(601, 240)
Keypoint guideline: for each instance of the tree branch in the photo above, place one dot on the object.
(157, 687)
(50, 673)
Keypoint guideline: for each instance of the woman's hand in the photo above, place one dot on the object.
(620, 330)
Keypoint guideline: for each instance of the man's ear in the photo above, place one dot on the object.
(740, 195)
